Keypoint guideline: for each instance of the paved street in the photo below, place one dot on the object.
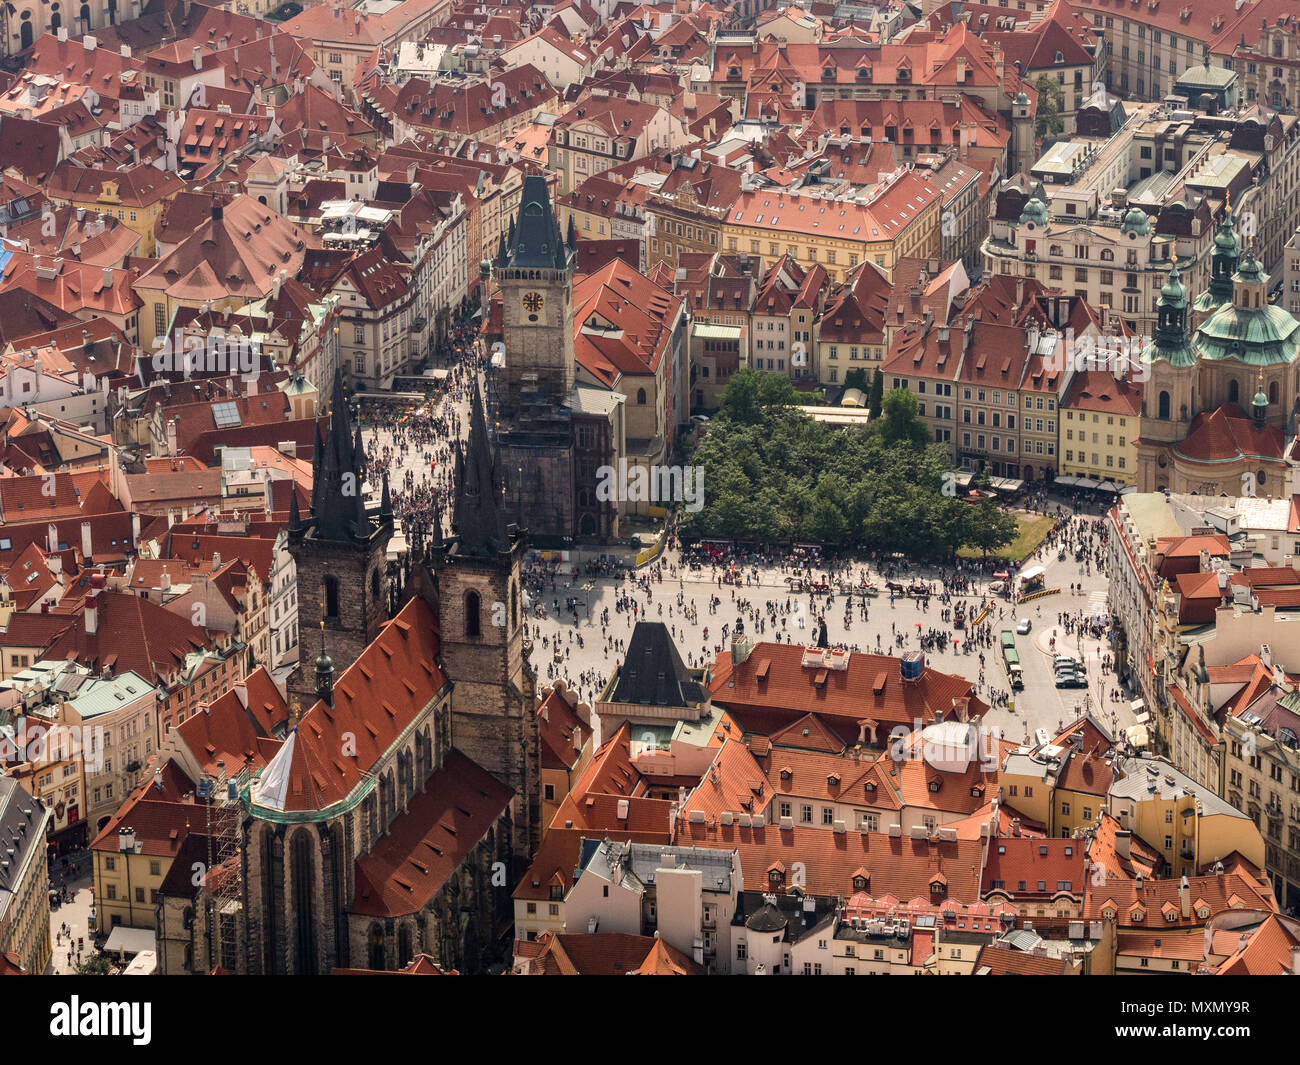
(406, 442)
(1040, 705)
(75, 915)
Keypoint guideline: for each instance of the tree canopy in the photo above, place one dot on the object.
(772, 475)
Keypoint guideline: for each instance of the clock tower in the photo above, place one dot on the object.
(535, 272)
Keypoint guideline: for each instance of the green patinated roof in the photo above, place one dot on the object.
(1035, 211)
(1180, 356)
(1174, 291)
(1136, 219)
(1207, 303)
(1265, 337)
(1250, 271)
(1225, 237)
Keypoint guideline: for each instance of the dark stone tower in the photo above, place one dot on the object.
(534, 395)
(477, 589)
(536, 278)
(340, 552)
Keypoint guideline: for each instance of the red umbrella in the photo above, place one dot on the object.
(918, 626)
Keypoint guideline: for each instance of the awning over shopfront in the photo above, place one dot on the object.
(1066, 481)
(129, 940)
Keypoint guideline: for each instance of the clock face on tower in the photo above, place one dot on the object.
(533, 302)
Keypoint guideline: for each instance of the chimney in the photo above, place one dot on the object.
(53, 534)
(87, 552)
(198, 58)
(108, 277)
(92, 604)
(126, 51)
(1185, 897)
(1123, 840)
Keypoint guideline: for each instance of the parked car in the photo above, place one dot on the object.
(1071, 680)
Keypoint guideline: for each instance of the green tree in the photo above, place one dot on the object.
(750, 390)
(877, 394)
(901, 421)
(856, 378)
(95, 965)
(989, 526)
(1050, 101)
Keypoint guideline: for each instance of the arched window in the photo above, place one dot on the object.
(374, 584)
(1234, 391)
(1164, 406)
(304, 902)
(514, 606)
(377, 947)
(640, 397)
(403, 946)
(1272, 392)
(1107, 256)
(332, 598)
(473, 620)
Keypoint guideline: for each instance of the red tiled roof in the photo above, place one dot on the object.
(375, 699)
(902, 867)
(870, 687)
(427, 843)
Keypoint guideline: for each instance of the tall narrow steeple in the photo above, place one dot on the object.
(479, 522)
(338, 509)
(324, 671)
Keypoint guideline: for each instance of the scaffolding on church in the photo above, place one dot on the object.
(222, 882)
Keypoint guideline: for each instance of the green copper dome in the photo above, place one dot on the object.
(1225, 236)
(1250, 271)
(1135, 219)
(1035, 211)
(1268, 336)
(1174, 291)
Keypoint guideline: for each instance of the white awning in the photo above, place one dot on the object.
(1108, 486)
(143, 964)
(1067, 481)
(129, 940)
(1128, 489)
(1088, 482)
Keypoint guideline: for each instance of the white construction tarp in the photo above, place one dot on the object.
(272, 787)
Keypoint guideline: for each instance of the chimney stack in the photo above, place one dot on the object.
(92, 604)
(1123, 841)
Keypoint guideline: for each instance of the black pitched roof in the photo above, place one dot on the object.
(337, 509)
(535, 240)
(478, 522)
(654, 673)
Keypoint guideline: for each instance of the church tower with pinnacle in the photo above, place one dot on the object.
(473, 580)
(340, 551)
